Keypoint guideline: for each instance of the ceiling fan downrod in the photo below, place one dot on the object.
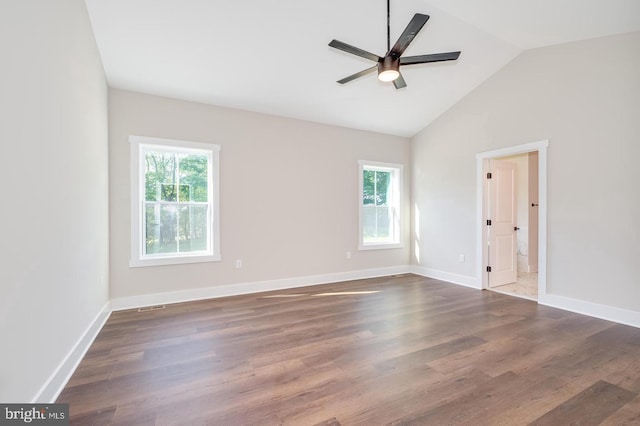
(388, 26)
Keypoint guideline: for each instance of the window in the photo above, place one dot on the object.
(380, 186)
(174, 202)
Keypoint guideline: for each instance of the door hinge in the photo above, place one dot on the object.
(488, 222)
(489, 175)
(488, 268)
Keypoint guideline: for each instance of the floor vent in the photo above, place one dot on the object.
(151, 308)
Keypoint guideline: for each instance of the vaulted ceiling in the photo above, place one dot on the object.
(271, 56)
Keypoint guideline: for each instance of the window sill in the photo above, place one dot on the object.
(161, 261)
(380, 246)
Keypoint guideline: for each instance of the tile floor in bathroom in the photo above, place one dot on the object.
(526, 286)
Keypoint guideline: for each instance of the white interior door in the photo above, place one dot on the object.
(503, 243)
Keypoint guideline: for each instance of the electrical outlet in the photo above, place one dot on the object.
(461, 258)
(348, 255)
(238, 263)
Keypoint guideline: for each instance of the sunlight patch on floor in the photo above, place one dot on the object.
(341, 293)
(337, 293)
(275, 296)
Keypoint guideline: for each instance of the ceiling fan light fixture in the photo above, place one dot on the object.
(388, 69)
(388, 75)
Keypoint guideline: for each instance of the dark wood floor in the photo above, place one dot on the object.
(395, 350)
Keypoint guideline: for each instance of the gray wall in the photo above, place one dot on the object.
(54, 174)
(585, 98)
(289, 194)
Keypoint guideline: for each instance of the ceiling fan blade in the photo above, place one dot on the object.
(416, 24)
(354, 50)
(358, 75)
(399, 82)
(435, 57)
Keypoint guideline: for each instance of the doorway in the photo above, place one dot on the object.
(511, 231)
(512, 200)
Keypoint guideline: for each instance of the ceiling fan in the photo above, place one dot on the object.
(389, 66)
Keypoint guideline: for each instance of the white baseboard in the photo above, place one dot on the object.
(609, 313)
(51, 389)
(446, 276)
(596, 310)
(132, 302)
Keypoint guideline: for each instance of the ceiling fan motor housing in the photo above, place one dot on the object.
(388, 63)
(389, 68)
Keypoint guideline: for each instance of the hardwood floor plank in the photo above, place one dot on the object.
(628, 414)
(330, 422)
(422, 357)
(101, 417)
(410, 395)
(466, 408)
(525, 405)
(617, 335)
(590, 407)
(402, 349)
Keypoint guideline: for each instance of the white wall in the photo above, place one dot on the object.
(289, 194)
(585, 98)
(54, 215)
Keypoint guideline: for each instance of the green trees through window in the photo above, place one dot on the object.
(176, 201)
(375, 187)
(379, 211)
(375, 193)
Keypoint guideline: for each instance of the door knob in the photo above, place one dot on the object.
(515, 228)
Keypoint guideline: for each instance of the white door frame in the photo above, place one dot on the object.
(482, 159)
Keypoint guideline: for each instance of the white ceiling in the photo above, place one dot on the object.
(271, 56)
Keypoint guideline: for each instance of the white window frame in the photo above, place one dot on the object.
(137, 257)
(397, 171)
